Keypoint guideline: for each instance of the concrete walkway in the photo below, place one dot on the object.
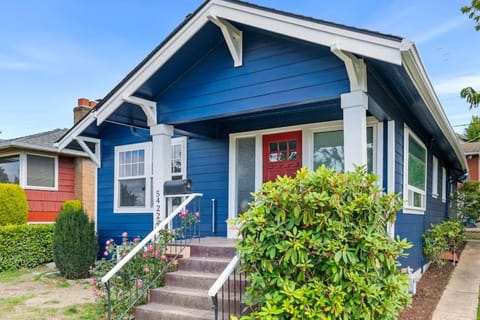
(460, 298)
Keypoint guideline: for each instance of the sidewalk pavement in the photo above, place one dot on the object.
(460, 298)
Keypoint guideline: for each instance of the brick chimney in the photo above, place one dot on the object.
(83, 107)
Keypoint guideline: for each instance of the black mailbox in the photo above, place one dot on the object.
(173, 187)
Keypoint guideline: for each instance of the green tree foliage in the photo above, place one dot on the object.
(472, 132)
(473, 12)
(315, 247)
(13, 204)
(467, 201)
(446, 236)
(75, 244)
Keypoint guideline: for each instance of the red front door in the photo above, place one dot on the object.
(282, 154)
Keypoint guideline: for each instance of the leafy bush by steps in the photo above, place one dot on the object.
(315, 247)
(445, 236)
(25, 246)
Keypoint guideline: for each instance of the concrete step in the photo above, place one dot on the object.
(157, 311)
(203, 264)
(212, 251)
(191, 279)
(193, 298)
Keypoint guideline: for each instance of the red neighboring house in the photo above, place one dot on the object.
(49, 176)
(472, 153)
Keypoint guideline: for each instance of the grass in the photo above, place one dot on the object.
(478, 308)
(12, 276)
(7, 305)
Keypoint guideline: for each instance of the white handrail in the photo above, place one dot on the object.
(149, 237)
(224, 276)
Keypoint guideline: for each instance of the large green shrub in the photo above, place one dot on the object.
(74, 241)
(13, 204)
(25, 246)
(315, 247)
(447, 236)
(466, 202)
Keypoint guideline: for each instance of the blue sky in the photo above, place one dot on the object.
(55, 51)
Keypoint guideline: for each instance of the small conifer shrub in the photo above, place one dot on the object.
(13, 204)
(74, 241)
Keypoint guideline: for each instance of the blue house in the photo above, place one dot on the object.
(238, 94)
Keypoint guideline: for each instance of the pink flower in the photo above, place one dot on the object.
(94, 282)
(146, 269)
(139, 283)
(156, 253)
(150, 248)
(136, 240)
(105, 253)
(197, 215)
(144, 255)
(124, 235)
(163, 258)
(124, 254)
(99, 294)
(107, 243)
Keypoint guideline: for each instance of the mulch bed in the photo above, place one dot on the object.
(429, 291)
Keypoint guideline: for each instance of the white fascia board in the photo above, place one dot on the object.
(55, 150)
(416, 71)
(349, 40)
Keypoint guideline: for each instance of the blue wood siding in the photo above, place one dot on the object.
(111, 225)
(208, 169)
(413, 226)
(276, 71)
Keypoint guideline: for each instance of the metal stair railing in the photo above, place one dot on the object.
(227, 292)
(123, 287)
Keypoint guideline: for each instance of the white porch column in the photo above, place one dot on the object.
(161, 162)
(355, 106)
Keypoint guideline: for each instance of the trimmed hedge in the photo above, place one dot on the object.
(25, 246)
(13, 204)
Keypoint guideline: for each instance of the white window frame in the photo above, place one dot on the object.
(23, 172)
(435, 177)
(182, 141)
(444, 184)
(406, 187)
(147, 147)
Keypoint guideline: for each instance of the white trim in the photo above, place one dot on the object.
(356, 68)
(93, 155)
(24, 176)
(147, 147)
(444, 184)
(379, 152)
(182, 142)
(391, 167)
(416, 71)
(434, 177)
(233, 37)
(148, 107)
(406, 187)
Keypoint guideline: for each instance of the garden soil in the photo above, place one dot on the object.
(44, 289)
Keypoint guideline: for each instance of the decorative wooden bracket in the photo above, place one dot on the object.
(233, 37)
(148, 107)
(356, 68)
(93, 154)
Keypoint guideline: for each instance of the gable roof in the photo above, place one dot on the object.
(43, 141)
(363, 43)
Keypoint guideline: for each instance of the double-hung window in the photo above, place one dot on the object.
(133, 172)
(415, 162)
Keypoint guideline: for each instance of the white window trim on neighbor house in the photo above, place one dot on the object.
(308, 132)
(148, 173)
(435, 177)
(409, 190)
(23, 170)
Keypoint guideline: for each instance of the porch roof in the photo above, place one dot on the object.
(392, 57)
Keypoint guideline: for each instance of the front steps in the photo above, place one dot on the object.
(184, 296)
